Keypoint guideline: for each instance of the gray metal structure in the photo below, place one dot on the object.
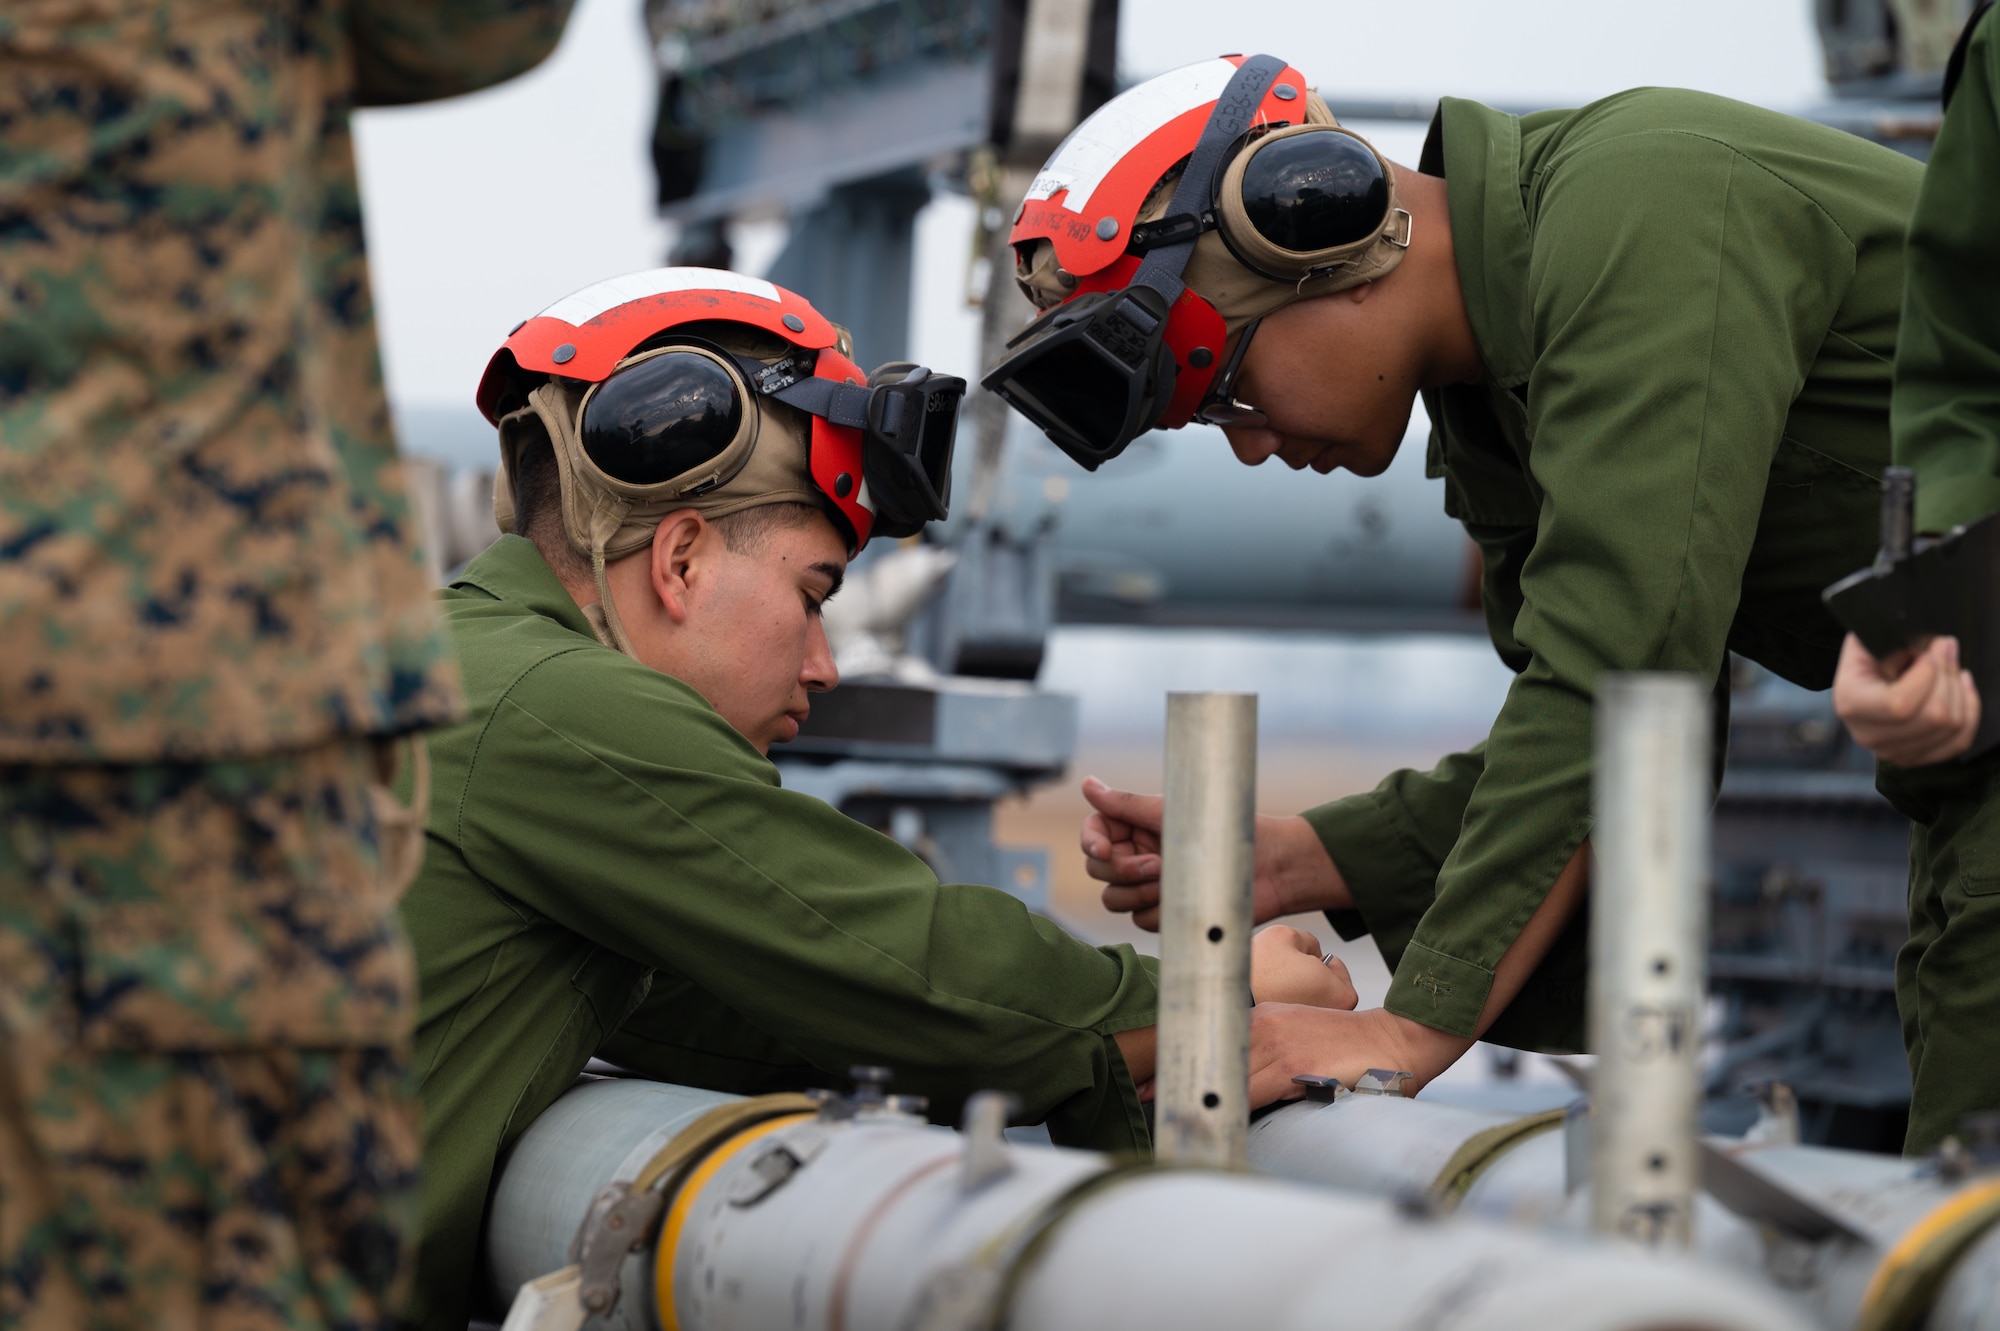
(926, 764)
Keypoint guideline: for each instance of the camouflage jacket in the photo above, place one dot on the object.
(205, 545)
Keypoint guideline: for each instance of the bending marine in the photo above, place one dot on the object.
(1652, 337)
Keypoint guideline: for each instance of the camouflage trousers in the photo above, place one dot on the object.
(205, 1006)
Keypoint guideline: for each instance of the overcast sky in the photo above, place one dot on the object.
(483, 209)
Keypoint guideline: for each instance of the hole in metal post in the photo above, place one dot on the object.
(1215, 934)
(1210, 1100)
(1656, 1163)
(1661, 965)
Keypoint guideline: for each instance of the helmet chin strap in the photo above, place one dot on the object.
(605, 519)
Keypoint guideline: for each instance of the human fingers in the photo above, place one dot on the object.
(1124, 872)
(1931, 727)
(1342, 984)
(1856, 676)
(1282, 1044)
(1285, 968)
(1100, 836)
(1140, 812)
(1283, 935)
(1142, 903)
(1951, 738)
(1885, 714)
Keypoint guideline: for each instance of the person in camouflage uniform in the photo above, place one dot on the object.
(215, 620)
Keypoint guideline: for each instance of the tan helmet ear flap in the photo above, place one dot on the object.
(1332, 269)
(592, 515)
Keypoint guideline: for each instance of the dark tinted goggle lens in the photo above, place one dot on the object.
(1077, 390)
(1311, 192)
(661, 418)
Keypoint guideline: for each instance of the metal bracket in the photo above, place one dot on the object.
(870, 1097)
(619, 1221)
(774, 1166)
(1325, 1090)
(1381, 1081)
(984, 1130)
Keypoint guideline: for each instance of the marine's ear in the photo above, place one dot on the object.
(673, 557)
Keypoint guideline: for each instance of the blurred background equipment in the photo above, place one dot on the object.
(867, 154)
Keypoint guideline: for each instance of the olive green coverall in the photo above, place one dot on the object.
(1945, 414)
(596, 825)
(1686, 309)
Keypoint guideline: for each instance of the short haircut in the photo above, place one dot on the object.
(538, 506)
(538, 514)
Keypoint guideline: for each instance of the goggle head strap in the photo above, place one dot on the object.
(1127, 327)
(1194, 196)
(892, 418)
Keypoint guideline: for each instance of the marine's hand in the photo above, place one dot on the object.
(1288, 1040)
(1915, 708)
(1286, 967)
(1121, 849)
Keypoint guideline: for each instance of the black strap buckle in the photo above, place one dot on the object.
(1169, 231)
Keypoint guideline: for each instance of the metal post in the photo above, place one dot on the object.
(1649, 911)
(1207, 854)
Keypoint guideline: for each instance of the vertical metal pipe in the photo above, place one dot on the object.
(1207, 848)
(1649, 911)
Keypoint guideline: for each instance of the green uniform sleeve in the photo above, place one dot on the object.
(651, 828)
(1945, 407)
(419, 50)
(1389, 845)
(682, 1034)
(1678, 295)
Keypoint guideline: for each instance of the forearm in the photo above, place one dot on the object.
(1431, 1050)
(1303, 872)
(1141, 1051)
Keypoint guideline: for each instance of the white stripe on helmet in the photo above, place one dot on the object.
(581, 307)
(1086, 157)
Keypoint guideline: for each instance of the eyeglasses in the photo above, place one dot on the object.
(1220, 407)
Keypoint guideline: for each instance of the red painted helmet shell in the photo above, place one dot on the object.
(1101, 175)
(1110, 163)
(585, 334)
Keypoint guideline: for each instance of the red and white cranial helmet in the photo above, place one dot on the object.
(1221, 191)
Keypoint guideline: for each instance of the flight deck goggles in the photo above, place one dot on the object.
(1303, 209)
(679, 422)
